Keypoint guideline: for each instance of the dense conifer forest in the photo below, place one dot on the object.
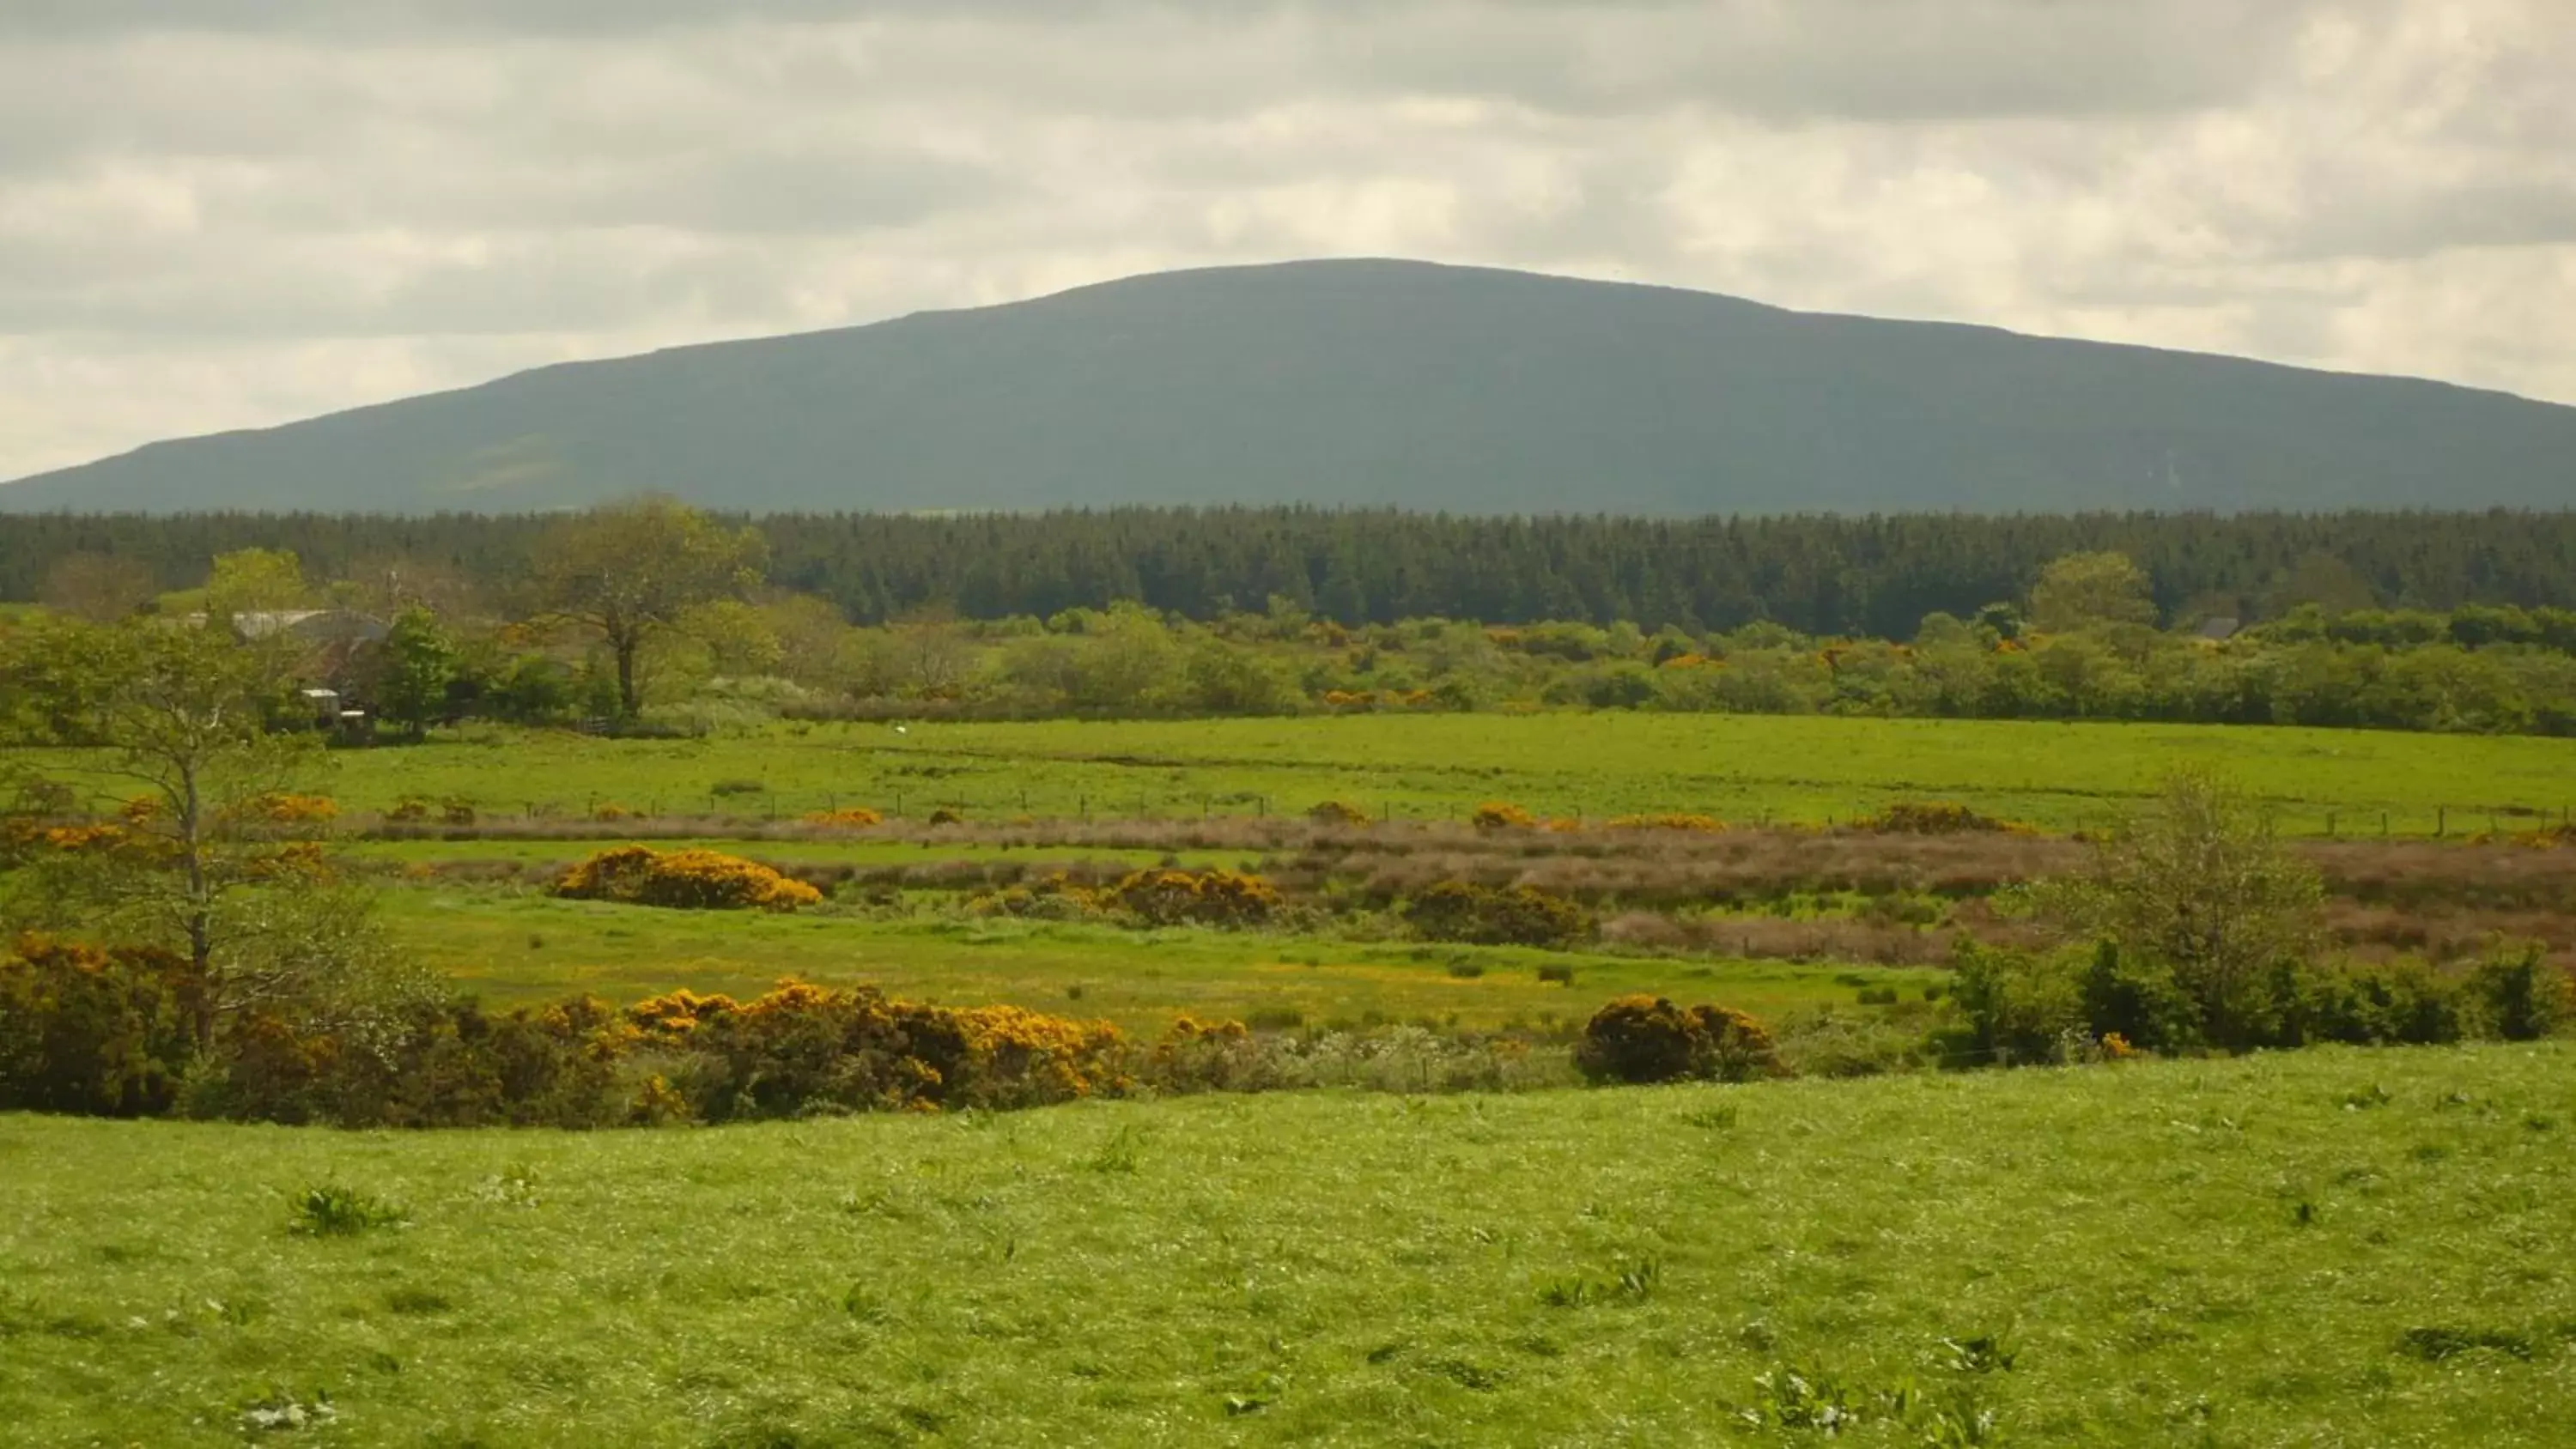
(1848, 576)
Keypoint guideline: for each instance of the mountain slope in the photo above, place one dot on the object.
(1385, 382)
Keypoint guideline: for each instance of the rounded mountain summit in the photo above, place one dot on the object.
(1384, 383)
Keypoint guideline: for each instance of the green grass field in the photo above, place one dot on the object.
(1744, 768)
(511, 947)
(2330, 1247)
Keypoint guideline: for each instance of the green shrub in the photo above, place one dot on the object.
(1479, 915)
(2016, 1005)
(2399, 1003)
(1639, 1039)
(2519, 995)
(2139, 1001)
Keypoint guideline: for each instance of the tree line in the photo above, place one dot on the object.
(654, 616)
(1827, 576)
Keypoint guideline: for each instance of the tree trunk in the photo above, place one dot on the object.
(626, 700)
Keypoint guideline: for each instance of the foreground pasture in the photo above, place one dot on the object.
(2333, 1247)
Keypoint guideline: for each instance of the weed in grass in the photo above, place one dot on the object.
(1117, 1155)
(1984, 1353)
(1801, 1398)
(1556, 975)
(513, 1186)
(1466, 970)
(2440, 1344)
(281, 1410)
(417, 1302)
(333, 1211)
(865, 1307)
(1630, 1282)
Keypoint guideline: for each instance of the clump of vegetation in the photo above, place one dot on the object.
(333, 1211)
(801, 1048)
(1640, 1039)
(1055, 896)
(104, 1033)
(415, 809)
(1337, 812)
(1935, 817)
(847, 817)
(1502, 815)
(1478, 915)
(946, 816)
(2206, 920)
(683, 880)
(288, 808)
(1197, 897)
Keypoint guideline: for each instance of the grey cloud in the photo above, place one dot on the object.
(265, 208)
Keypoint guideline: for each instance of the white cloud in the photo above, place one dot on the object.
(219, 213)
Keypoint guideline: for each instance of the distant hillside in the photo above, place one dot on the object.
(1394, 383)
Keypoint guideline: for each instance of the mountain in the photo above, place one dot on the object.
(1384, 382)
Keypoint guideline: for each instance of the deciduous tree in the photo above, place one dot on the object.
(628, 571)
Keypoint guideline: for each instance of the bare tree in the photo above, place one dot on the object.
(98, 587)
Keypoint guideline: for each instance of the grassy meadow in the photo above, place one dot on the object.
(515, 947)
(2327, 1247)
(1741, 768)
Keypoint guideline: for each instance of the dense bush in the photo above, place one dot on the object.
(103, 1033)
(1933, 817)
(1642, 1039)
(581, 1063)
(684, 880)
(2520, 996)
(1197, 897)
(2021, 1007)
(1337, 812)
(804, 1048)
(1480, 915)
(1502, 815)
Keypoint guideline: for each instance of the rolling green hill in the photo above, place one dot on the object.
(1384, 382)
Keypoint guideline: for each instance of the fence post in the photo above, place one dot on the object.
(2441, 821)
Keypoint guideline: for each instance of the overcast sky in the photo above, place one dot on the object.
(228, 213)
